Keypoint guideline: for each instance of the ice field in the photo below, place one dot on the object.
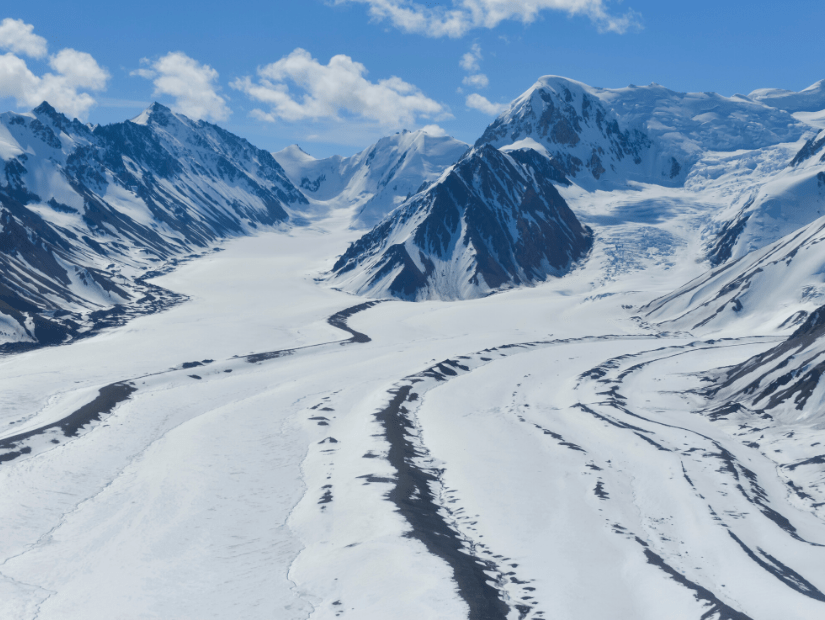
(543, 452)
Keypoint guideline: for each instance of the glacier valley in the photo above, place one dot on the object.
(572, 371)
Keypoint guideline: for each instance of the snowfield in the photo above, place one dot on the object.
(504, 457)
(627, 427)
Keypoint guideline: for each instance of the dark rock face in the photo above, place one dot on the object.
(811, 148)
(581, 134)
(141, 192)
(798, 360)
(493, 221)
(721, 247)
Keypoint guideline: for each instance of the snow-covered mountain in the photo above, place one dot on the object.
(491, 221)
(768, 290)
(286, 450)
(603, 138)
(778, 204)
(375, 181)
(584, 136)
(784, 381)
(812, 99)
(86, 210)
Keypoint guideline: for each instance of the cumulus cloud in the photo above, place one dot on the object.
(192, 85)
(18, 37)
(72, 72)
(466, 15)
(470, 62)
(482, 104)
(434, 131)
(324, 91)
(479, 80)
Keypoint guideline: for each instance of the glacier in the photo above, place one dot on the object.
(632, 432)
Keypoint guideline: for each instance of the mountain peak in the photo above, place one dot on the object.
(491, 221)
(46, 109)
(157, 113)
(294, 152)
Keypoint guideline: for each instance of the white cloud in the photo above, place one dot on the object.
(482, 104)
(72, 72)
(466, 15)
(263, 116)
(479, 80)
(434, 130)
(18, 37)
(192, 85)
(469, 62)
(324, 91)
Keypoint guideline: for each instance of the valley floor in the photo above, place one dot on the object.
(539, 453)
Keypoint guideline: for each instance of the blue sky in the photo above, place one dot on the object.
(263, 71)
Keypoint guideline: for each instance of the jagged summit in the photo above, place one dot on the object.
(46, 109)
(155, 113)
(375, 181)
(489, 222)
(604, 138)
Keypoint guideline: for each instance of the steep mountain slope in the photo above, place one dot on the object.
(491, 221)
(770, 289)
(86, 210)
(604, 138)
(585, 137)
(782, 202)
(785, 380)
(376, 180)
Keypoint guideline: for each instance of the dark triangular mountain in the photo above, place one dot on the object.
(491, 221)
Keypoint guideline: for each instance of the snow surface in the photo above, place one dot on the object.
(262, 492)
(811, 99)
(566, 434)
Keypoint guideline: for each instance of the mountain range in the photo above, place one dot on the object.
(88, 210)
(583, 354)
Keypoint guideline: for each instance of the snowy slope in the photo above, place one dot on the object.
(780, 203)
(785, 380)
(768, 290)
(812, 99)
(587, 447)
(376, 180)
(604, 138)
(85, 210)
(491, 221)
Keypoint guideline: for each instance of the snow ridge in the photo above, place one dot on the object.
(375, 181)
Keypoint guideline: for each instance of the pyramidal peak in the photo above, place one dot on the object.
(47, 109)
(156, 113)
(295, 152)
(47, 114)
